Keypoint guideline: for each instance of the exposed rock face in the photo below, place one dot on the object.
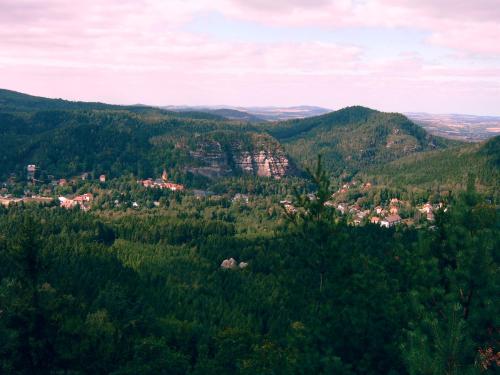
(265, 159)
(211, 152)
(245, 162)
(264, 163)
(262, 156)
(214, 160)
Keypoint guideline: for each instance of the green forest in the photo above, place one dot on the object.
(64, 139)
(253, 274)
(145, 294)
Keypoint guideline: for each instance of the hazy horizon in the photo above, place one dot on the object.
(437, 57)
(269, 106)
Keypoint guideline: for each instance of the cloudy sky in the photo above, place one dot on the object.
(438, 56)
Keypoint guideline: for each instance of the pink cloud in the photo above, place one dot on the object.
(485, 10)
(476, 22)
(133, 51)
(479, 38)
(280, 5)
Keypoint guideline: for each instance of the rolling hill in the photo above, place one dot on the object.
(66, 138)
(13, 101)
(257, 114)
(226, 113)
(444, 169)
(354, 138)
(73, 138)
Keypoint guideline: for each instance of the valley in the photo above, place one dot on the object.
(142, 239)
(249, 187)
(461, 127)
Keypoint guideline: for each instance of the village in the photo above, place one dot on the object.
(50, 191)
(395, 211)
(161, 183)
(352, 200)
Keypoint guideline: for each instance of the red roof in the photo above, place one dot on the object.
(393, 218)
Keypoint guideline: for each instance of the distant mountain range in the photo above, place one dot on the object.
(455, 126)
(256, 114)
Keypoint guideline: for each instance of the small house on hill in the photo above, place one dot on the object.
(31, 169)
(390, 221)
(426, 208)
(394, 210)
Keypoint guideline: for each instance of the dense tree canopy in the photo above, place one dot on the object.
(144, 293)
(251, 275)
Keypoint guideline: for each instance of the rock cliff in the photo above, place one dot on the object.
(256, 154)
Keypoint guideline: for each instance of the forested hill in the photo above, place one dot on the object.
(354, 138)
(64, 139)
(16, 101)
(13, 101)
(444, 169)
(233, 114)
(226, 113)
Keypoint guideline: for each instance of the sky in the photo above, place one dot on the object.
(436, 56)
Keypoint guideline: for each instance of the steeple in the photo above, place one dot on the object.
(164, 176)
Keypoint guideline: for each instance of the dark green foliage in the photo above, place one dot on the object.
(116, 143)
(12, 101)
(491, 151)
(144, 292)
(122, 291)
(447, 169)
(354, 138)
(65, 139)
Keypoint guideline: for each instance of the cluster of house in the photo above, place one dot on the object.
(347, 186)
(385, 217)
(381, 216)
(161, 183)
(32, 170)
(7, 200)
(85, 176)
(428, 210)
(83, 201)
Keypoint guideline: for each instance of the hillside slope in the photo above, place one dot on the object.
(16, 102)
(354, 138)
(444, 169)
(223, 113)
(116, 140)
(117, 143)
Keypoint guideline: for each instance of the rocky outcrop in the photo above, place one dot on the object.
(264, 163)
(231, 264)
(266, 159)
(213, 159)
(211, 152)
(262, 156)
